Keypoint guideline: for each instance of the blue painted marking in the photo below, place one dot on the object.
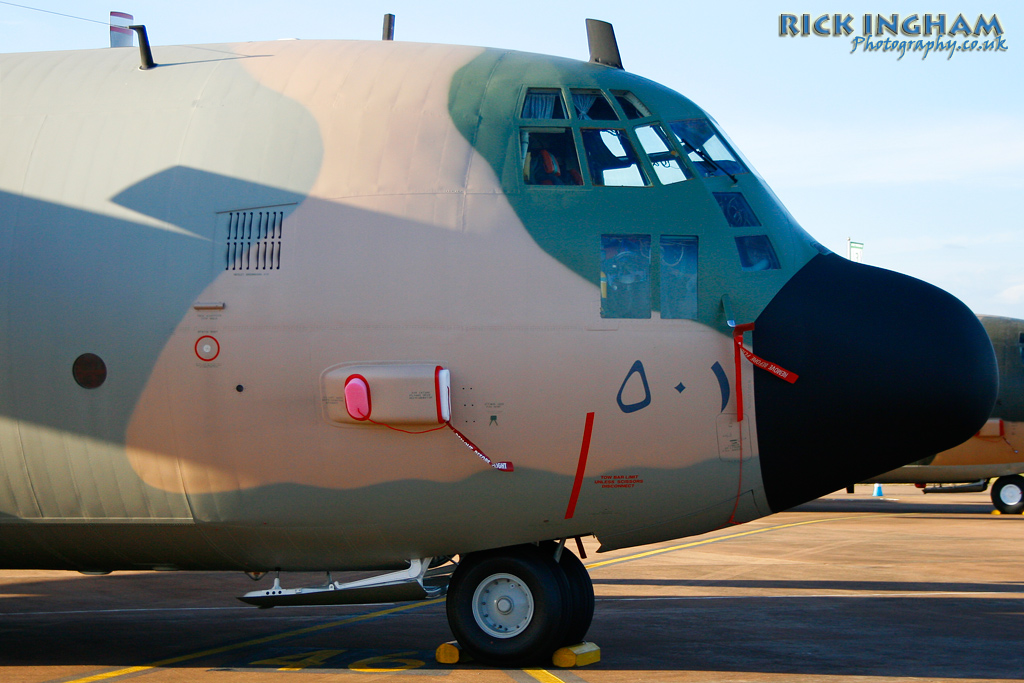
(679, 387)
(638, 368)
(723, 383)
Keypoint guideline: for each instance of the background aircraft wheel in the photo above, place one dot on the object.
(509, 607)
(1008, 494)
(581, 592)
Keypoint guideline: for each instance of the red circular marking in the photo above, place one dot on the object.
(216, 345)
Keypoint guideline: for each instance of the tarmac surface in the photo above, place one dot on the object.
(847, 588)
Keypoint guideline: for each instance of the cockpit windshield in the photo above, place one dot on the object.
(706, 149)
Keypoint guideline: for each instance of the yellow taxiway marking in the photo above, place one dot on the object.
(539, 674)
(256, 641)
(716, 539)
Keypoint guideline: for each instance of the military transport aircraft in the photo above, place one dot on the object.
(995, 452)
(338, 305)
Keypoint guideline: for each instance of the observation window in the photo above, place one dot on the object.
(611, 159)
(549, 157)
(625, 276)
(756, 253)
(543, 103)
(663, 158)
(592, 105)
(736, 210)
(679, 276)
(702, 143)
(631, 106)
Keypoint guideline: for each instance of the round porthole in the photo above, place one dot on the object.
(89, 370)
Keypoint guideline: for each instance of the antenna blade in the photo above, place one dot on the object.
(603, 48)
(389, 27)
(120, 34)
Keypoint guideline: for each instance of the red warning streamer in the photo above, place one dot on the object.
(768, 366)
(501, 465)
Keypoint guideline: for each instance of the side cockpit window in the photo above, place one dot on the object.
(611, 159)
(706, 149)
(549, 157)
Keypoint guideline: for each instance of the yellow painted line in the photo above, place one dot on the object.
(716, 539)
(543, 676)
(256, 641)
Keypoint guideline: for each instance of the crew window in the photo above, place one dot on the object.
(679, 276)
(631, 106)
(543, 103)
(663, 158)
(756, 253)
(736, 210)
(702, 143)
(625, 276)
(611, 159)
(549, 157)
(592, 105)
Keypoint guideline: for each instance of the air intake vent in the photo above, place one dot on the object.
(254, 240)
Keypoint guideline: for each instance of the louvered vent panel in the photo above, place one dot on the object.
(254, 240)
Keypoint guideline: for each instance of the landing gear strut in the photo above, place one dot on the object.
(515, 606)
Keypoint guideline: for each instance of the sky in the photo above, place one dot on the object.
(922, 160)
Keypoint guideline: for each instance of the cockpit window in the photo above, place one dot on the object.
(756, 253)
(611, 159)
(543, 103)
(549, 157)
(631, 106)
(663, 158)
(625, 276)
(592, 105)
(702, 143)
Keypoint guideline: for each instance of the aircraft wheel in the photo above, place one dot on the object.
(581, 591)
(509, 607)
(1008, 494)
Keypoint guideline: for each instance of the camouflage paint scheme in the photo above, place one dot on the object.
(408, 236)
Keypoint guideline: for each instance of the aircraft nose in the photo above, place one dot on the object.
(891, 370)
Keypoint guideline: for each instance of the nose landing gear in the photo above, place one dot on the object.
(517, 605)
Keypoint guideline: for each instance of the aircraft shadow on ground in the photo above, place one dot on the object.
(873, 587)
(136, 619)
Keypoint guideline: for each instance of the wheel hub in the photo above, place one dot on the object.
(502, 605)
(1010, 495)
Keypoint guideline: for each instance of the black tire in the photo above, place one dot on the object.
(519, 573)
(581, 592)
(1008, 494)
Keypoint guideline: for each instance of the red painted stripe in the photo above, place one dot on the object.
(119, 29)
(581, 466)
(122, 15)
